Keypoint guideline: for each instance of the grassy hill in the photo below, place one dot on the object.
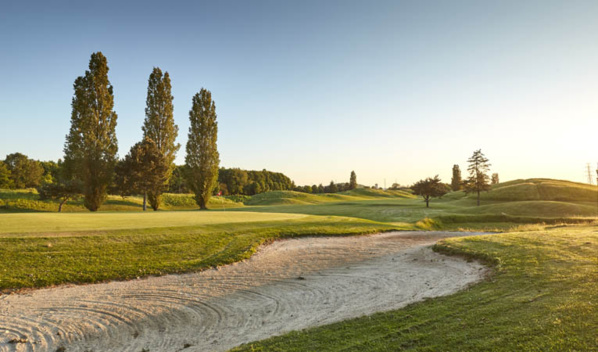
(541, 189)
(506, 205)
(299, 198)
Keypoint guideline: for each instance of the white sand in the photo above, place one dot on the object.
(289, 285)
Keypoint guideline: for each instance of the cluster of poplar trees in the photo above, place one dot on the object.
(91, 164)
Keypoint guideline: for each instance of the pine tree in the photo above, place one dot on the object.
(63, 191)
(478, 180)
(159, 126)
(456, 181)
(202, 152)
(353, 180)
(91, 146)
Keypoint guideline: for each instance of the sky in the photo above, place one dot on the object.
(395, 90)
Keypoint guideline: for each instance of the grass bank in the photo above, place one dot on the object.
(542, 297)
(27, 200)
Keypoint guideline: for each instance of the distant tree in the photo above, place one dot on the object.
(478, 180)
(202, 152)
(24, 172)
(314, 188)
(430, 187)
(495, 179)
(51, 171)
(143, 170)
(395, 186)
(456, 181)
(91, 145)
(62, 191)
(353, 180)
(332, 188)
(178, 182)
(159, 126)
(5, 176)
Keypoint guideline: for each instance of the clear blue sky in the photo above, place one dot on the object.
(395, 90)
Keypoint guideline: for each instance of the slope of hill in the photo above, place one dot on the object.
(299, 198)
(541, 189)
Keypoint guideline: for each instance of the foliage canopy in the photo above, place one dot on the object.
(430, 187)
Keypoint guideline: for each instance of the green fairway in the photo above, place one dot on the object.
(58, 223)
(542, 297)
(140, 248)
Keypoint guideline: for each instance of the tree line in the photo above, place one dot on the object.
(235, 181)
(332, 187)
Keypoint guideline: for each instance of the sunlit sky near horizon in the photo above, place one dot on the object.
(395, 90)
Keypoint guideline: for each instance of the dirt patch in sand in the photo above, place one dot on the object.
(289, 285)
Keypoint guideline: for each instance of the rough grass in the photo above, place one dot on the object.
(542, 297)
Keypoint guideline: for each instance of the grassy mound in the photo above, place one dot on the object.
(541, 189)
(299, 198)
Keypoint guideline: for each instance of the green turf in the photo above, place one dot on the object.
(48, 223)
(207, 239)
(542, 297)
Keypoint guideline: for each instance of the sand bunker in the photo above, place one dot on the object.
(289, 285)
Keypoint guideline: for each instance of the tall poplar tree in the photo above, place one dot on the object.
(456, 181)
(202, 156)
(353, 180)
(159, 126)
(478, 180)
(91, 146)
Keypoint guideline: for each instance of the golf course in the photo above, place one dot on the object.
(533, 244)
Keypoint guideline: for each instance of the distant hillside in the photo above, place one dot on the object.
(541, 189)
(292, 197)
